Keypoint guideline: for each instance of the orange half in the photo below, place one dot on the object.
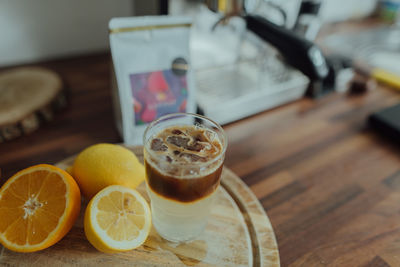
(38, 206)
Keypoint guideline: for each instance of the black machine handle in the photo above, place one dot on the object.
(296, 50)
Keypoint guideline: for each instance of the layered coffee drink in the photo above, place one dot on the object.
(183, 168)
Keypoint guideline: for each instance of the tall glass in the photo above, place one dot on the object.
(183, 155)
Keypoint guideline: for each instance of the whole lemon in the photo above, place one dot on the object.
(101, 165)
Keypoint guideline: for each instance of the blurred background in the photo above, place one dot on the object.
(44, 29)
(248, 56)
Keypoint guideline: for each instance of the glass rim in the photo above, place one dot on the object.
(181, 114)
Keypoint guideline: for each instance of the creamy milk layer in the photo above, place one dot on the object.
(178, 221)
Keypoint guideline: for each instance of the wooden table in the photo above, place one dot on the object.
(330, 185)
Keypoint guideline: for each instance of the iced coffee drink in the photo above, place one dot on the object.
(184, 155)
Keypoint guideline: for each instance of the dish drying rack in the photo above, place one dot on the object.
(226, 93)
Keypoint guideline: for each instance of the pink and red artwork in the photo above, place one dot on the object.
(156, 94)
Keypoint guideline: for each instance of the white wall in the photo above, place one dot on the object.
(34, 30)
(340, 10)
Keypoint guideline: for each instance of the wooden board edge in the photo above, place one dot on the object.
(265, 248)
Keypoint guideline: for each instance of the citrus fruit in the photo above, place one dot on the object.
(117, 219)
(38, 206)
(101, 165)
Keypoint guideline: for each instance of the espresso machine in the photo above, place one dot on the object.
(247, 56)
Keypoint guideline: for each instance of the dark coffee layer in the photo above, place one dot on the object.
(183, 163)
(183, 190)
(185, 144)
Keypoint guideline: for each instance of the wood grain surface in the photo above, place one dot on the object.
(238, 233)
(330, 185)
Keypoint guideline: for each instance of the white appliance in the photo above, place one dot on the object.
(236, 73)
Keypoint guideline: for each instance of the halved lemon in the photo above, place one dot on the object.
(117, 219)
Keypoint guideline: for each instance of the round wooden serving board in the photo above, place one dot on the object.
(28, 97)
(238, 233)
